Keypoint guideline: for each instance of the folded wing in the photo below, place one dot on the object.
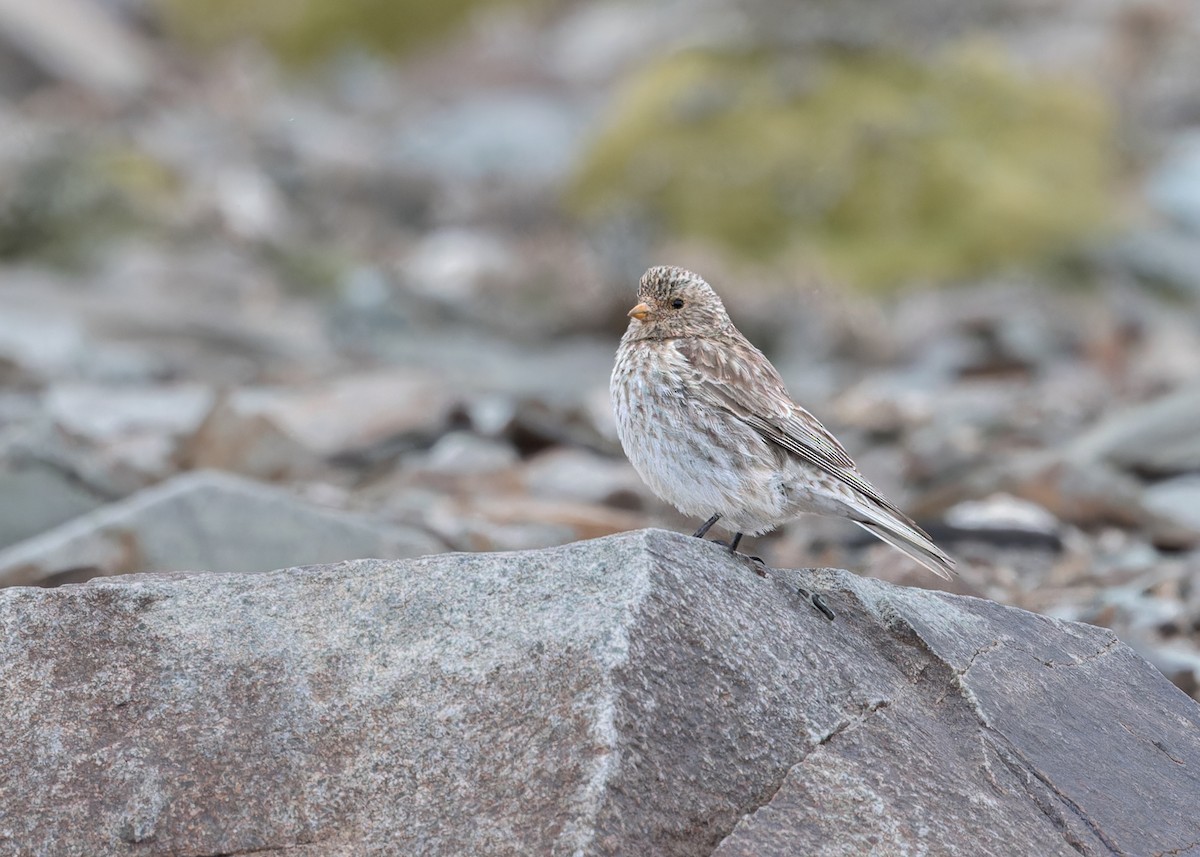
(734, 375)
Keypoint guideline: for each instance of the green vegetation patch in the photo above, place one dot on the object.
(879, 169)
(70, 197)
(302, 32)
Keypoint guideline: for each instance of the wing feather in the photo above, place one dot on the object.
(737, 377)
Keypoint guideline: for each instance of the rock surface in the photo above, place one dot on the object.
(200, 520)
(640, 694)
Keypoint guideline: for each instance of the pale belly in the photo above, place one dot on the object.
(699, 458)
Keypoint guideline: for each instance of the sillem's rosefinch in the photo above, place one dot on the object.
(708, 424)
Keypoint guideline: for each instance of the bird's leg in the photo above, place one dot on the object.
(706, 526)
(737, 540)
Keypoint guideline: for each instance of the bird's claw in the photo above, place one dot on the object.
(817, 602)
(759, 565)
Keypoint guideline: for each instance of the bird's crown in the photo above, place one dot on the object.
(664, 280)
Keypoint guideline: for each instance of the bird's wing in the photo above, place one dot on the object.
(737, 377)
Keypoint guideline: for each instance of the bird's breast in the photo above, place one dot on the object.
(691, 452)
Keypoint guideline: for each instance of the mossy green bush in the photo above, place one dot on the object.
(301, 32)
(70, 197)
(878, 169)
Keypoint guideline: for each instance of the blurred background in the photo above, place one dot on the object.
(289, 281)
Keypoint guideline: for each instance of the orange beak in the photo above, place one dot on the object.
(639, 312)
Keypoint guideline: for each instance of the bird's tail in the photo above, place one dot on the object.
(906, 536)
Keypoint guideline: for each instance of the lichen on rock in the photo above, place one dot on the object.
(307, 32)
(875, 168)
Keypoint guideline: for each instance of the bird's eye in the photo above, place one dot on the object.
(677, 303)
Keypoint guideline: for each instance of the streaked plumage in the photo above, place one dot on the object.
(708, 424)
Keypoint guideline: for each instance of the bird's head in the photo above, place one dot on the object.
(673, 302)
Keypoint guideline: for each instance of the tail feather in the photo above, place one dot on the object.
(911, 540)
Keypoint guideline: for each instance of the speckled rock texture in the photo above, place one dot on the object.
(640, 694)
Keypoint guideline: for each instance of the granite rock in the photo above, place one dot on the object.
(640, 694)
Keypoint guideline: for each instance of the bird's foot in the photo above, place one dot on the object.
(817, 602)
(757, 561)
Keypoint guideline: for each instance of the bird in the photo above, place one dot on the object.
(709, 426)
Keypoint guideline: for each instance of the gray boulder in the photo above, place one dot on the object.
(204, 519)
(48, 497)
(642, 694)
(1158, 436)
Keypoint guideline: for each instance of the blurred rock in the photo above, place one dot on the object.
(36, 346)
(512, 520)
(1174, 186)
(37, 497)
(540, 425)
(250, 204)
(279, 433)
(451, 266)
(80, 41)
(462, 452)
(1002, 511)
(1176, 503)
(1087, 494)
(582, 475)
(596, 42)
(1119, 555)
(110, 440)
(102, 414)
(1179, 663)
(467, 530)
(400, 707)
(889, 402)
(1157, 437)
(517, 136)
(1163, 256)
(557, 372)
(597, 406)
(203, 520)
(206, 312)
(1167, 356)
(490, 415)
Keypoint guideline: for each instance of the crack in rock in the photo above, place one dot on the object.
(982, 650)
(269, 849)
(1156, 743)
(865, 710)
(1049, 800)
(1104, 650)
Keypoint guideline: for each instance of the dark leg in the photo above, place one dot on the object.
(706, 526)
(737, 538)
